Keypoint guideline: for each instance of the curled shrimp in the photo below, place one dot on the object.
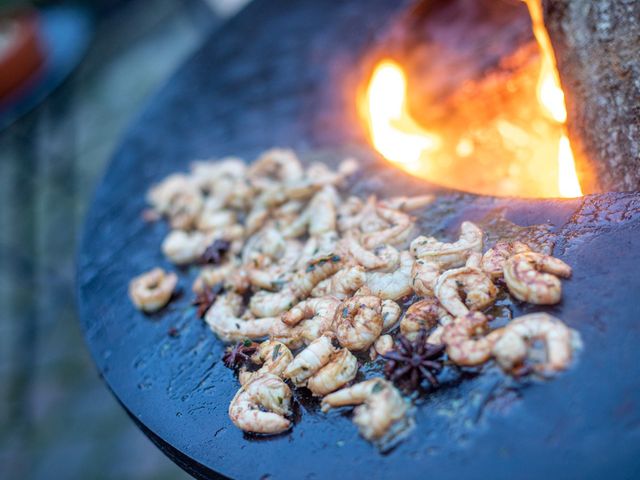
(310, 360)
(182, 248)
(381, 410)
(358, 322)
(262, 405)
(321, 309)
(424, 276)
(319, 217)
(400, 229)
(264, 304)
(533, 277)
(340, 370)
(390, 312)
(473, 283)
(383, 257)
(212, 275)
(225, 321)
(303, 333)
(465, 339)
(341, 285)
(278, 164)
(211, 217)
(513, 346)
(449, 255)
(393, 285)
(274, 358)
(494, 259)
(425, 314)
(152, 290)
(382, 345)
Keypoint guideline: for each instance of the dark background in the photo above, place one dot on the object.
(57, 418)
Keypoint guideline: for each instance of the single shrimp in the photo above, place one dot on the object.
(425, 314)
(340, 370)
(382, 346)
(212, 275)
(533, 277)
(214, 217)
(476, 287)
(399, 231)
(319, 217)
(390, 312)
(341, 285)
(383, 257)
(279, 164)
(262, 405)
(264, 304)
(183, 248)
(224, 319)
(393, 285)
(322, 309)
(358, 322)
(310, 360)
(152, 290)
(494, 259)
(449, 255)
(381, 410)
(274, 358)
(424, 275)
(463, 347)
(512, 348)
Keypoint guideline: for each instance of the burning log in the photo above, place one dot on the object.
(597, 48)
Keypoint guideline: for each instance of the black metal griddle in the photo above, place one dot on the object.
(273, 76)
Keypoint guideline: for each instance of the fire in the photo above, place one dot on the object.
(551, 97)
(398, 137)
(394, 133)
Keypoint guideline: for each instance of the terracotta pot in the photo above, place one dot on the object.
(24, 55)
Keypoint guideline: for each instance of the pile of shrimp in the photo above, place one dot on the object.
(315, 276)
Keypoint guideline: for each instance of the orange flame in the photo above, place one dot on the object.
(551, 97)
(394, 133)
(397, 136)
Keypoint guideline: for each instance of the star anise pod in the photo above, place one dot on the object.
(205, 298)
(411, 362)
(213, 253)
(239, 354)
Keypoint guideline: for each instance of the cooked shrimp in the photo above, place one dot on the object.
(477, 289)
(463, 347)
(212, 217)
(341, 369)
(358, 322)
(383, 257)
(279, 164)
(341, 285)
(398, 232)
(424, 314)
(494, 259)
(393, 285)
(265, 304)
(319, 176)
(383, 345)
(381, 410)
(261, 405)
(162, 195)
(310, 360)
(449, 255)
(391, 312)
(407, 204)
(424, 276)
(274, 358)
(302, 334)
(319, 216)
(514, 344)
(533, 277)
(182, 247)
(212, 275)
(224, 319)
(152, 290)
(322, 309)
